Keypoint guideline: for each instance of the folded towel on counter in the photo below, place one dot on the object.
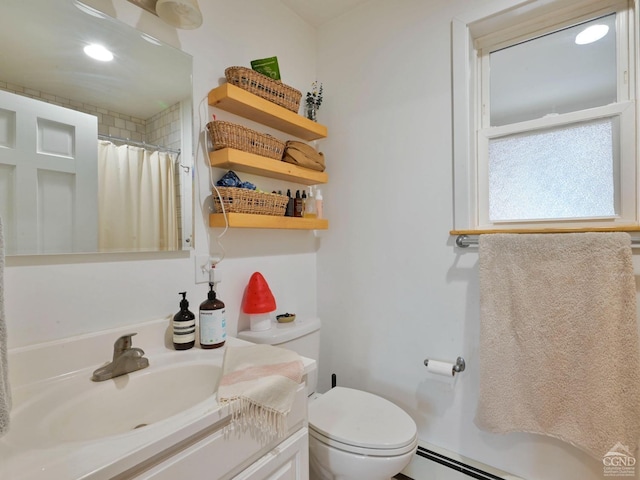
(259, 383)
(5, 391)
(559, 339)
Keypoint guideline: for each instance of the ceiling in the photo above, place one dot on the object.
(44, 33)
(317, 12)
(32, 28)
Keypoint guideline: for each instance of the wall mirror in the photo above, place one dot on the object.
(95, 155)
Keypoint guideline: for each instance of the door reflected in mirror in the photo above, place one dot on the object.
(95, 156)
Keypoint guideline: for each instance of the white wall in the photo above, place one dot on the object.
(48, 298)
(392, 290)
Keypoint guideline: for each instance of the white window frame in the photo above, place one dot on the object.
(507, 22)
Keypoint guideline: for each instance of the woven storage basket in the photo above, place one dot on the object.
(265, 87)
(232, 135)
(243, 200)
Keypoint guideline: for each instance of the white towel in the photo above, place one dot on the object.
(559, 339)
(259, 383)
(5, 391)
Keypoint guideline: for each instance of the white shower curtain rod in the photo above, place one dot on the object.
(138, 144)
(464, 241)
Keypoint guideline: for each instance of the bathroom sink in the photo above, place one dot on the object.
(66, 426)
(78, 409)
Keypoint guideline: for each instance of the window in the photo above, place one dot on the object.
(558, 173)
(544, 127)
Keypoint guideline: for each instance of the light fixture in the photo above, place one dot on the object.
(591, 34)
(98, 52)
(180, 13)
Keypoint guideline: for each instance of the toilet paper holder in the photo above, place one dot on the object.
(458, 367)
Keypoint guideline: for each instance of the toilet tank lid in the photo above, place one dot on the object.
(282, 332)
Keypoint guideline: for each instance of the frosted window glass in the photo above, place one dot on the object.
(565, 172)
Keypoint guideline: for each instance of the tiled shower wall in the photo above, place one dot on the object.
(164, 128)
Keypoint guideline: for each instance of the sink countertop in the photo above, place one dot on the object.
(35, 369)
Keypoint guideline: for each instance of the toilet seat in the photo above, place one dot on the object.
(361, 422)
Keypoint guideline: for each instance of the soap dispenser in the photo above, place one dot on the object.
(213, 324)
(184, 326)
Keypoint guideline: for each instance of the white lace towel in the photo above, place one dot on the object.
(259, 383)
(5, 391)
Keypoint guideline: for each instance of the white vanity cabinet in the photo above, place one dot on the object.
(215, 454)
(52, 398)
(288, 461)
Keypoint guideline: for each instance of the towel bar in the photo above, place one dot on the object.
(464, 241)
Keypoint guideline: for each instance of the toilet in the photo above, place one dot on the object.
(353, 435)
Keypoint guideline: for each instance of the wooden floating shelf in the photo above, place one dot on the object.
(247, 220)
(233, 159)
(240, 102)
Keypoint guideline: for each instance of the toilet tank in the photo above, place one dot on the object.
(302, 336)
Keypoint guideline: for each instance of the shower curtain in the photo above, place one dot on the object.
(136, 199)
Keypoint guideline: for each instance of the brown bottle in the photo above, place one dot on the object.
(297, 205)
(184, 326)
(213, 325)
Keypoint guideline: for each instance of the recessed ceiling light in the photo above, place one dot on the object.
(98, 52)
(592, 34)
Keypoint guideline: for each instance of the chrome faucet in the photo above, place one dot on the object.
(126, 359)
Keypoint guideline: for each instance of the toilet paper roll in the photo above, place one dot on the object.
(440, 368)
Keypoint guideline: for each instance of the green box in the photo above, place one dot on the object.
(267, 66)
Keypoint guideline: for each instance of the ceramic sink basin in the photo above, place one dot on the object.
(78, 409)
(65, 426)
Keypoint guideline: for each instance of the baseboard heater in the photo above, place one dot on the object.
(456, 465)
(430, 458)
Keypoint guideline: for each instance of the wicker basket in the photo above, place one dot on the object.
(243, 200)
(232, 135)
(265, 87)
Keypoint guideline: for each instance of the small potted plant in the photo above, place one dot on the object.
(313, 101)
